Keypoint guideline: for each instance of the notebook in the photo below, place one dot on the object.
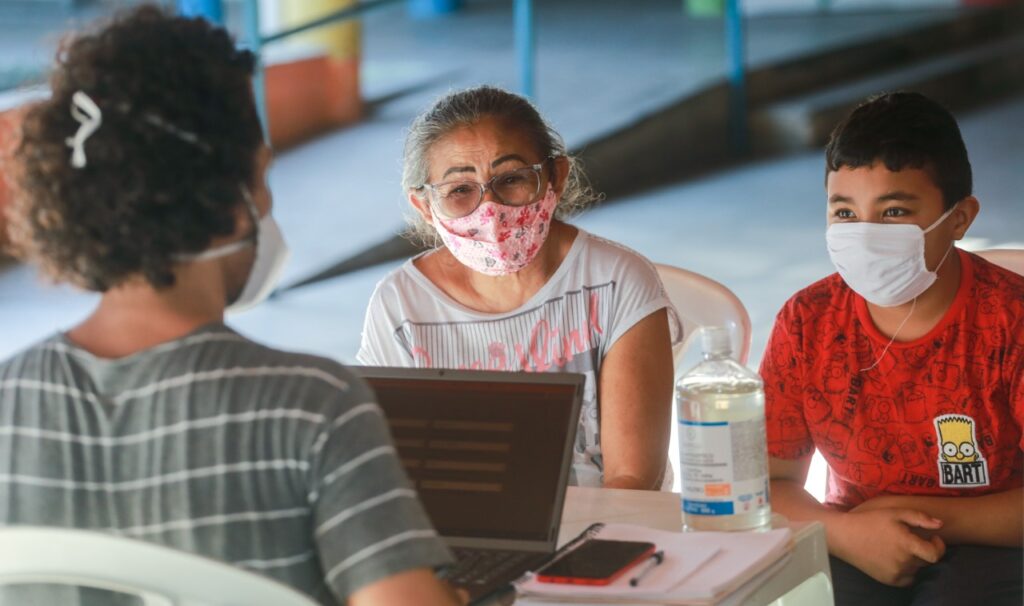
(489, 454)
(698, 567)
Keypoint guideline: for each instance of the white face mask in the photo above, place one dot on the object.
(883, 262)
(271, 255)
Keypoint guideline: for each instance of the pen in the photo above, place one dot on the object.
(657, 558)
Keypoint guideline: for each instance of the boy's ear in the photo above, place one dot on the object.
(964, 215)
(418, 200)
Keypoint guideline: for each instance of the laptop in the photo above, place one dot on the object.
(489, 454)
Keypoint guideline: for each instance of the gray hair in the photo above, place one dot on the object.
(467, 107)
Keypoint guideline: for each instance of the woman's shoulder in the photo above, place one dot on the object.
(404, 282)
(605, 253)
(409, 293)
(403, 278)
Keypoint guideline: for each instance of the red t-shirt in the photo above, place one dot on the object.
(940, 415)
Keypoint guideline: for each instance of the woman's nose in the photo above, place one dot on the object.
(489, 195)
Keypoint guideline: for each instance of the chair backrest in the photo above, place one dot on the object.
(1009, 258)
(701, 301)
(160, 576)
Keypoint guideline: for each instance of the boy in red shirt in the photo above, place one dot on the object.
(906, 370)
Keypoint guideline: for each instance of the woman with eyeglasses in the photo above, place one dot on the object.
(510, 286)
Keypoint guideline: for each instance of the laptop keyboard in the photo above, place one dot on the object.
(483, 567)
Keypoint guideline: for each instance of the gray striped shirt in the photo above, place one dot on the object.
(276, 462)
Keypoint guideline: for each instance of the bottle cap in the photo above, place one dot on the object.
(716, 340)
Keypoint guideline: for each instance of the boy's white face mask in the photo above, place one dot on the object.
(883, 262)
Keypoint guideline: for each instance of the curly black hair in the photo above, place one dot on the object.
(179, 136)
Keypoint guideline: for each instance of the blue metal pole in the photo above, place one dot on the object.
(254, 41)
(735, 42)
(526, 45)
(431, 9)
(213, 10)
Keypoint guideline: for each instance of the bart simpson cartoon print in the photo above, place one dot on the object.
(961, 464)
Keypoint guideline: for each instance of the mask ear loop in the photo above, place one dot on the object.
(229, 249)
(944, 216)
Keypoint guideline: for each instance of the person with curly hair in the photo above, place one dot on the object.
(143, 178)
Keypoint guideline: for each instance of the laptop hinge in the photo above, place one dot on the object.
(502, 544)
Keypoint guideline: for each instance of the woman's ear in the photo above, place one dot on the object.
(418, 200)
(559, 174)
(964, 215)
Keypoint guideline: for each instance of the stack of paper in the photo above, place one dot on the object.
(699, 567)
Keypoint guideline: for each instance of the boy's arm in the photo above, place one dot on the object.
(878, 542)
(995, 519)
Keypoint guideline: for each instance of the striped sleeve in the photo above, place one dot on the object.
(369, 523)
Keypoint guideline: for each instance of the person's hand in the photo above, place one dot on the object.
(417, 586)
(460, 595)
(888, 501)
(883, 544)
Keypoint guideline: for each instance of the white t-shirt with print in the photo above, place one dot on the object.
(600, 291)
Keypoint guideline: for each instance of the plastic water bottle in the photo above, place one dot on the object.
(722, 447)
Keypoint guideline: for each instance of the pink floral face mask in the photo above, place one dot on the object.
(498, 240)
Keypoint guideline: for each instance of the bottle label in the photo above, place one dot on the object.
(724, 467)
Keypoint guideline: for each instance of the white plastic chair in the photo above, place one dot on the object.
(1009, 258)
(701, 301)
(158, 575)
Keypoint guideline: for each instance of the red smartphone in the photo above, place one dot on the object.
(596, 562)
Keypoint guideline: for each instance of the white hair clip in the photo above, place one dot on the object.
(89, 116)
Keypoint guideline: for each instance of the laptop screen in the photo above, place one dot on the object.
(488, 452)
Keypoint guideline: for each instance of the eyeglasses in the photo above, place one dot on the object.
(456, 199)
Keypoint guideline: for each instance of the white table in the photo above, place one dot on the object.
(805, 577)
